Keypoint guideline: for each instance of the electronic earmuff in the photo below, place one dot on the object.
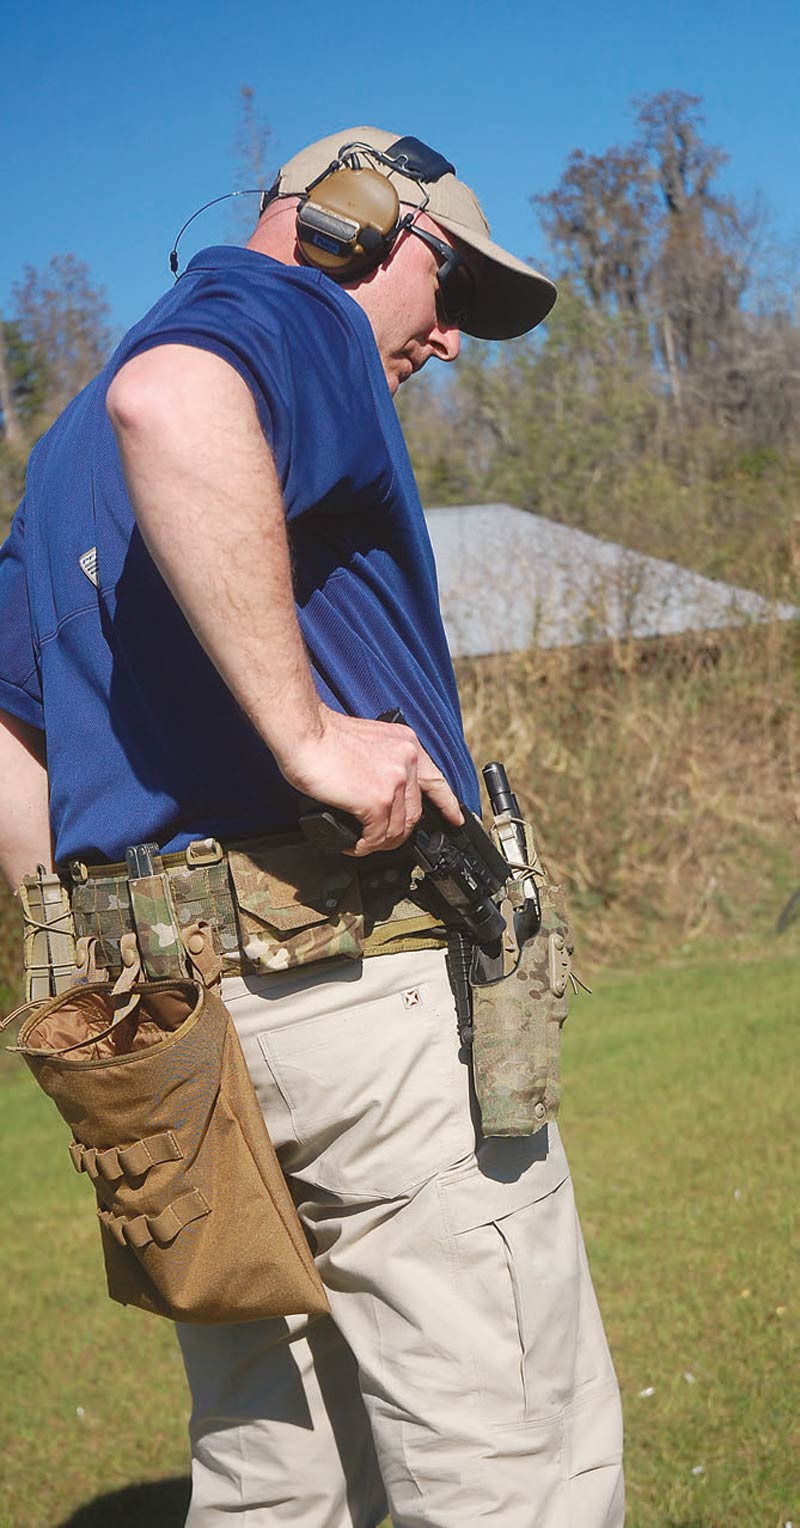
(348, 222)
(349, 217)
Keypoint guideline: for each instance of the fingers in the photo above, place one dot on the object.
(406, 808)
(391, 828)
(412, 800)
(376, 771)
(433, 783)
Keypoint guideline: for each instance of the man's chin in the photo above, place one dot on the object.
(405, 371)
(398, 371)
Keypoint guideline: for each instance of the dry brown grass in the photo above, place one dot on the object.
(663, 777)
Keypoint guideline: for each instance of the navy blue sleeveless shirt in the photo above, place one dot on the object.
(144, 740)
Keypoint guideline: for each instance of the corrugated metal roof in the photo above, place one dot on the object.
(508, 578)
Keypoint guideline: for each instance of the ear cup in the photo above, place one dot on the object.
(347, 222)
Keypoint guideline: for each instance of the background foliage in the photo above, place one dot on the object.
(660, 408)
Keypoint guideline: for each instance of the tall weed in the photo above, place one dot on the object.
(663, 778)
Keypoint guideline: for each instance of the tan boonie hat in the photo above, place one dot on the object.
(512, 297)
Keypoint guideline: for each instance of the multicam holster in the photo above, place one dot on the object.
(519, 1009)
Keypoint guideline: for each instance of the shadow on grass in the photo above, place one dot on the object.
(691, 1522)
(161, 1502)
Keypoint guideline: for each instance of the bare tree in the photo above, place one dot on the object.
(702, 267)
(600, 220)
(685, 165)
(12, 427)
(645, 233)
(63, 318)
(252, 160)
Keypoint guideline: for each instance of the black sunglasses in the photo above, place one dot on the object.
(456, 282)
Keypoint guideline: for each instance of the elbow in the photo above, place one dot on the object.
(124, 404)
(134, 398)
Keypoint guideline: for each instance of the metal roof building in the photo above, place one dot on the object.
(508, 578)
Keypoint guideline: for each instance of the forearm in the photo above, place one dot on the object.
(206, 497)
(25, 839)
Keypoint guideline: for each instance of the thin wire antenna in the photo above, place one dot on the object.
(247, 191)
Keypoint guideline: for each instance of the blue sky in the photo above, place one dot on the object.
(118, 119)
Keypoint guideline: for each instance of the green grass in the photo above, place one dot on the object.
(679, 1114)
(94, 1395)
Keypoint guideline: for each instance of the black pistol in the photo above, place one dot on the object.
(463, 865)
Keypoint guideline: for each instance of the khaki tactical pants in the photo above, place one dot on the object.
(465, 1376)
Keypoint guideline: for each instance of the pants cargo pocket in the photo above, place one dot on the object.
(517, 1253)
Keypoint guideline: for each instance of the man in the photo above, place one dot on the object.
(207, 608)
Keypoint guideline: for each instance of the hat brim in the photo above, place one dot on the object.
(512, 297)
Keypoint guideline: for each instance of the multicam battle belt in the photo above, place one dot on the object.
(270, 904)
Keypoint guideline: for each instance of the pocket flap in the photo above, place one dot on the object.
(289, 887)
(508, 1174)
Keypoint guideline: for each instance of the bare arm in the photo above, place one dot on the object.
(25, 840)
(206, 496)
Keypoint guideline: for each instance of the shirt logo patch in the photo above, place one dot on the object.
(88, 562)
(412, 997)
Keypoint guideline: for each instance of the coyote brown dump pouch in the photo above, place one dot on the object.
(517, 1018)
(196, 1220)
